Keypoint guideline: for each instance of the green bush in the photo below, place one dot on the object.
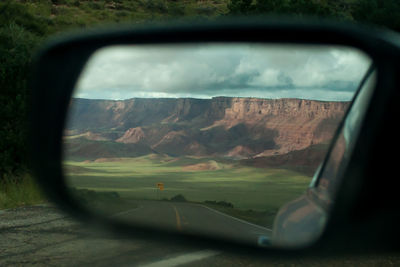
(155, 6)
(384, 13)
(292, 7)
(219, 203)
(178, 198)
(205, 10)
(17, 45)
(121, 14)
(96, 5)
(91, 197)
(59, 2)
(19, 191)
(176, 9)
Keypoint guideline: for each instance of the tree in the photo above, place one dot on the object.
(240, 7)
(18, 37)
(322, 8)
(379, 12)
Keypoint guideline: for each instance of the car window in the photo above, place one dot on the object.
(338, 158)
(303, 220)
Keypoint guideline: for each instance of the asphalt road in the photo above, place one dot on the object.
(190, 217)
(44, 236)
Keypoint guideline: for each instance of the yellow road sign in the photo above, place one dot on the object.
(160, 186)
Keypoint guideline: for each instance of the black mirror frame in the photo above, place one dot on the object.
(59, 64)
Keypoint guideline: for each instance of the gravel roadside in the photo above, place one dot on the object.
(43, 236)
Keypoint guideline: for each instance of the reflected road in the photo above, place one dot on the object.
(194, 218)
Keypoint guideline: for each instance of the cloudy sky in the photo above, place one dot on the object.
(208, 70)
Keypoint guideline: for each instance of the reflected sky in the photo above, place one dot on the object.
(209, 70)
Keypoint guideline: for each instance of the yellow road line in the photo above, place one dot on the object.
(178, 219)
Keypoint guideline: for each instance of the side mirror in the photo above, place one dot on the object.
(212, 132)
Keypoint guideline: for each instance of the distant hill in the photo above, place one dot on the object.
(238, 128)
(305, 160)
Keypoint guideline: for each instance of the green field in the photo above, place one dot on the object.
(254, 190)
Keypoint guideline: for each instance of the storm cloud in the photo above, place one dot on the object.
(208, 70)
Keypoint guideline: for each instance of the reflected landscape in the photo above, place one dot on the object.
(211, 139)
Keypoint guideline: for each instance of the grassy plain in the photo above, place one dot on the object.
(254, 192)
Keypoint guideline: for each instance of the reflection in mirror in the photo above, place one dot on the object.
(210, 138)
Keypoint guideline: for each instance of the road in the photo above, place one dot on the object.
(191, 217)
(44, 236)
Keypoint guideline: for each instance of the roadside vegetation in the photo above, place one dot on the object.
(19, 192)
(106, 203)
(263, 218)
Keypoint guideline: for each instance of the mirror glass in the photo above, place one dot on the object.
(206, 138)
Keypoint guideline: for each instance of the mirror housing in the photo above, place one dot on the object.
(59, 64)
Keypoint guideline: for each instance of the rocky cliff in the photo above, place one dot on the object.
(221, 126)
(299, 123)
